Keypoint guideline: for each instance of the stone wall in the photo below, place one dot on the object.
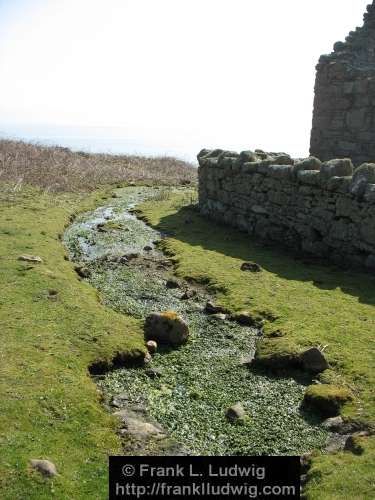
(344, 104)
(324, 209)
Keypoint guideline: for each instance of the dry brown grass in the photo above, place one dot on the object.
(59, 169)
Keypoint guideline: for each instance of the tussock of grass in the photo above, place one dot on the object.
(50, 407)
(60, 169)
(310, 305)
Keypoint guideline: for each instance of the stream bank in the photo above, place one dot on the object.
(177, 402)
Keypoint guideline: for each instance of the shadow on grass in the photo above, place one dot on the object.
(189, 226)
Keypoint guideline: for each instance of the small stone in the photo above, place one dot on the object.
(244, 318)
(131, 256)
(147, 358)
(82, 271)
(336, 442)
(313, 360)
(219, 316)
(211, 308)
(333, 423)
(120, 400)
(188, 294)
(53, 294)
(173, 283)
(235, 413)
(137, 425)
(31, 258)
(147, 248)
(251, 266)
(45, 467)
(153, 373)
(353, 442)
(151, 346)
(167, 328)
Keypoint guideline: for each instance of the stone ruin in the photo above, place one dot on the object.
(324, 208)
(344, 105)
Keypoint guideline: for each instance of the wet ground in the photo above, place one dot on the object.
(181, 396)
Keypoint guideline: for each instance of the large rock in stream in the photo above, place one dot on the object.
(166, 328)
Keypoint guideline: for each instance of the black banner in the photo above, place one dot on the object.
(204, 477)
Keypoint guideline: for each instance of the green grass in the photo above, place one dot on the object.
(306, 304)
(50, 407)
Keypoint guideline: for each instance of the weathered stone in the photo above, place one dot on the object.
(283, 159)
(212, 308)
(313, 360)
(253, 267)
(82, 271)
(247, 157)
(219, 316)
(173, 283)
(167, 328)
(236, 414)
(363, 175)
(31, 258)
(45, 467)
(137, 425)
(333, 424)
(313, 211)
(336, 168)
(152, 346)
(310, 163)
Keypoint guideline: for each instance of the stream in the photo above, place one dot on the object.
(176, 403)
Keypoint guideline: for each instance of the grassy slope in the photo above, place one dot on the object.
(49, 405)
(312, 305)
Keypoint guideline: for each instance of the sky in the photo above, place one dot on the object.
(168, 75)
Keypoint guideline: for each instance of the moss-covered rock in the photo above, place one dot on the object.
(277, 354)
(167, 328)
(327, 399)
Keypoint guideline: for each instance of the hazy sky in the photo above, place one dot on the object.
(230, 73)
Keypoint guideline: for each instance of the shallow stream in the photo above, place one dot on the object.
(184, 391)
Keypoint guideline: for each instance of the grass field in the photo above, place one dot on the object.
(301, 305)
(52, 328)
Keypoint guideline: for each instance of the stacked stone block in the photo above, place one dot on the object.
(323, 209)
(344, 104)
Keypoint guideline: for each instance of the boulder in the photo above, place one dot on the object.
(336, 168)
(45, 467)
(236, 413)
(167, 328)
(313, 360)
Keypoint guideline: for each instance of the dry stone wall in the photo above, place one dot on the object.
(344, 104)
(324, 209)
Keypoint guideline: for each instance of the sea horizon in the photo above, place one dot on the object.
(96, 139)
